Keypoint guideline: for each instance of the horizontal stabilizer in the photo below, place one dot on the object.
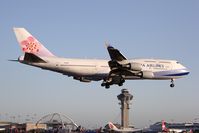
(29, 57)
(14, 60)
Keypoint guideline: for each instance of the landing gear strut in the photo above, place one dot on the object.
(172, 83)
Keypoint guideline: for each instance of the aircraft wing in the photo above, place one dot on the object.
(120, 68)
(115, 54)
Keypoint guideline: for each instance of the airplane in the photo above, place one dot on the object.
(113, 71)
(174, 130)
(112, 127)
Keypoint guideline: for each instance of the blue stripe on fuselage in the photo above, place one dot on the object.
(172, 73)
(177, 74)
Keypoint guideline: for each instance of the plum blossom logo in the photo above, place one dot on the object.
(30, 45)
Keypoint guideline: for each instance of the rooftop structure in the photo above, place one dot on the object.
(58, 121)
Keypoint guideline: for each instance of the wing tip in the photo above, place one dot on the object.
(108, 45)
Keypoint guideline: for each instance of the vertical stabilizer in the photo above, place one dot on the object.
(164, 128)
(30, 44)
(112, 126)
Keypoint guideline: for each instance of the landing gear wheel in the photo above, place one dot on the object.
(120, 84)
(107, 86)
(172, 85)
(103, 84)
(122, 81)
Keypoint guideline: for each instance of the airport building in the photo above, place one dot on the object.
(17, 127)
(53, 123)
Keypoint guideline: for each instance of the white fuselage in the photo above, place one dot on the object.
(113, 71)
(95, 69)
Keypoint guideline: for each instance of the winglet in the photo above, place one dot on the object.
(107, 44)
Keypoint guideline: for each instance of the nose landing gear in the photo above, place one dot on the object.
(172, 83)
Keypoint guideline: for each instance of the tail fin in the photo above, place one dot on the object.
(29, 44)
(112, 126)
(164, 128)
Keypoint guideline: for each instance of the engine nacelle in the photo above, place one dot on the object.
(147, 74)
(82, 79)
(133, 66)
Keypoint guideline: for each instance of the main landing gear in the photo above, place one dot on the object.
(107, 83)
(172, 83)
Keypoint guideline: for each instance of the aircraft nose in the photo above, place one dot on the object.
(186, 71)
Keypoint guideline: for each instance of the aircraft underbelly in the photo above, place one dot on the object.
(92, 72)
(80, 71)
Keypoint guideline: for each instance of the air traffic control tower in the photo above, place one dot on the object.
(125, 97)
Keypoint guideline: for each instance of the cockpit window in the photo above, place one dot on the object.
(177, 62)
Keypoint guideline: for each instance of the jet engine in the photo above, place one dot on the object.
(133, 66)
(147, 74)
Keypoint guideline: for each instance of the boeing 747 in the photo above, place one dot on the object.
(113, 71)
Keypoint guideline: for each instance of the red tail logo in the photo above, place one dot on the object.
(30, 45)
(164, 128)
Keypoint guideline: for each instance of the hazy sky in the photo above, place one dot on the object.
(78, 29)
